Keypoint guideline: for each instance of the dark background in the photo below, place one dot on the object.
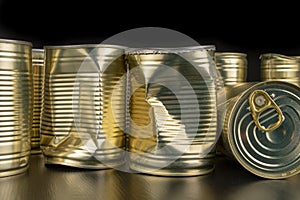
(236, 27)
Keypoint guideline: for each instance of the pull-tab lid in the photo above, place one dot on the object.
(264, 129)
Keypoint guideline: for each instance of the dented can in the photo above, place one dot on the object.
(15, 106)
(280, 68)
(83, 115)
(232, 67)
(173, 125)
(261, 128)
(38, 68)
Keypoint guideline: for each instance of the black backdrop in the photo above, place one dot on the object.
(237, 27)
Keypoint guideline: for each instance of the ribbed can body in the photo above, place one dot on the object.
(15, 106)
(173, 113)
(83, 115)
(279, 67)
(270, 153)
(232, 67)
(38, 68)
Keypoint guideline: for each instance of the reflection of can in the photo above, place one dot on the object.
(38, 74)
(173, 128)
(261, 128)
(15, 106)
(232, 67)
(280, 68)
(79, 126)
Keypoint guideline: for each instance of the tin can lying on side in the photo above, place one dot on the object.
(38, 77)
(83, 116)
(262, 128)
(280, 68)
(173, 128)
(15, 106)
(232, 67)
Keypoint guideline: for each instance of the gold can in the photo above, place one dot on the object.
(261, 128)
(83, 114)
(280, 68)
(232, 67)
(15, 106)
(173, 127)
(38, 68)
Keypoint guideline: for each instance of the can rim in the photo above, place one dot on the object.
(38, 55)
(38, 50)
(166, 50)
(12, 41)
(270, 55)
(230, 54)
(80, 46)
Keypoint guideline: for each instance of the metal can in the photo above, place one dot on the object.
(38, 77)
(173, 127)
(261, 128)
(15, 106)
(232, 67)
(83, 115)
(280, 68)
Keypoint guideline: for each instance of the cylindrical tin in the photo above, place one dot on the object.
(38, 77)
(15, 106)
(280, 68)
(261, 128)
(173, 128)
(232, 67)
(83, 114)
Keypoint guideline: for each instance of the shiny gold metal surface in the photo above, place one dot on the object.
(232, 67)
(280, 68)
(83, 114)
(273, 153)
(15, 106)
(38, 77)
(173, 128)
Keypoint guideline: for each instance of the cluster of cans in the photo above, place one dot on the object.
(157, 110)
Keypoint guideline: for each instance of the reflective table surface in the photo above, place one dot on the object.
(229, 181)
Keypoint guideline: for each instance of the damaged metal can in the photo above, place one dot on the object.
(279, 67)
(38, 68)
(173, 114)
(15, 106)
(232, 67)
(83, 115)
(261, 128)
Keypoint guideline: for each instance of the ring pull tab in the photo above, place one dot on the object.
(260, 101)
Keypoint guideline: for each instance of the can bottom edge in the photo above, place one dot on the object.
(81, 164)
(174, 172)
(13, 171)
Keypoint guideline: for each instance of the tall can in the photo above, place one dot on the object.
(261, 128)
(15, 106)
(83, 114)
(38, 68)
(232, 67)
(173, 115)
(279, 67)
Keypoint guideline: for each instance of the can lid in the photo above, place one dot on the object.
(273, 153)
